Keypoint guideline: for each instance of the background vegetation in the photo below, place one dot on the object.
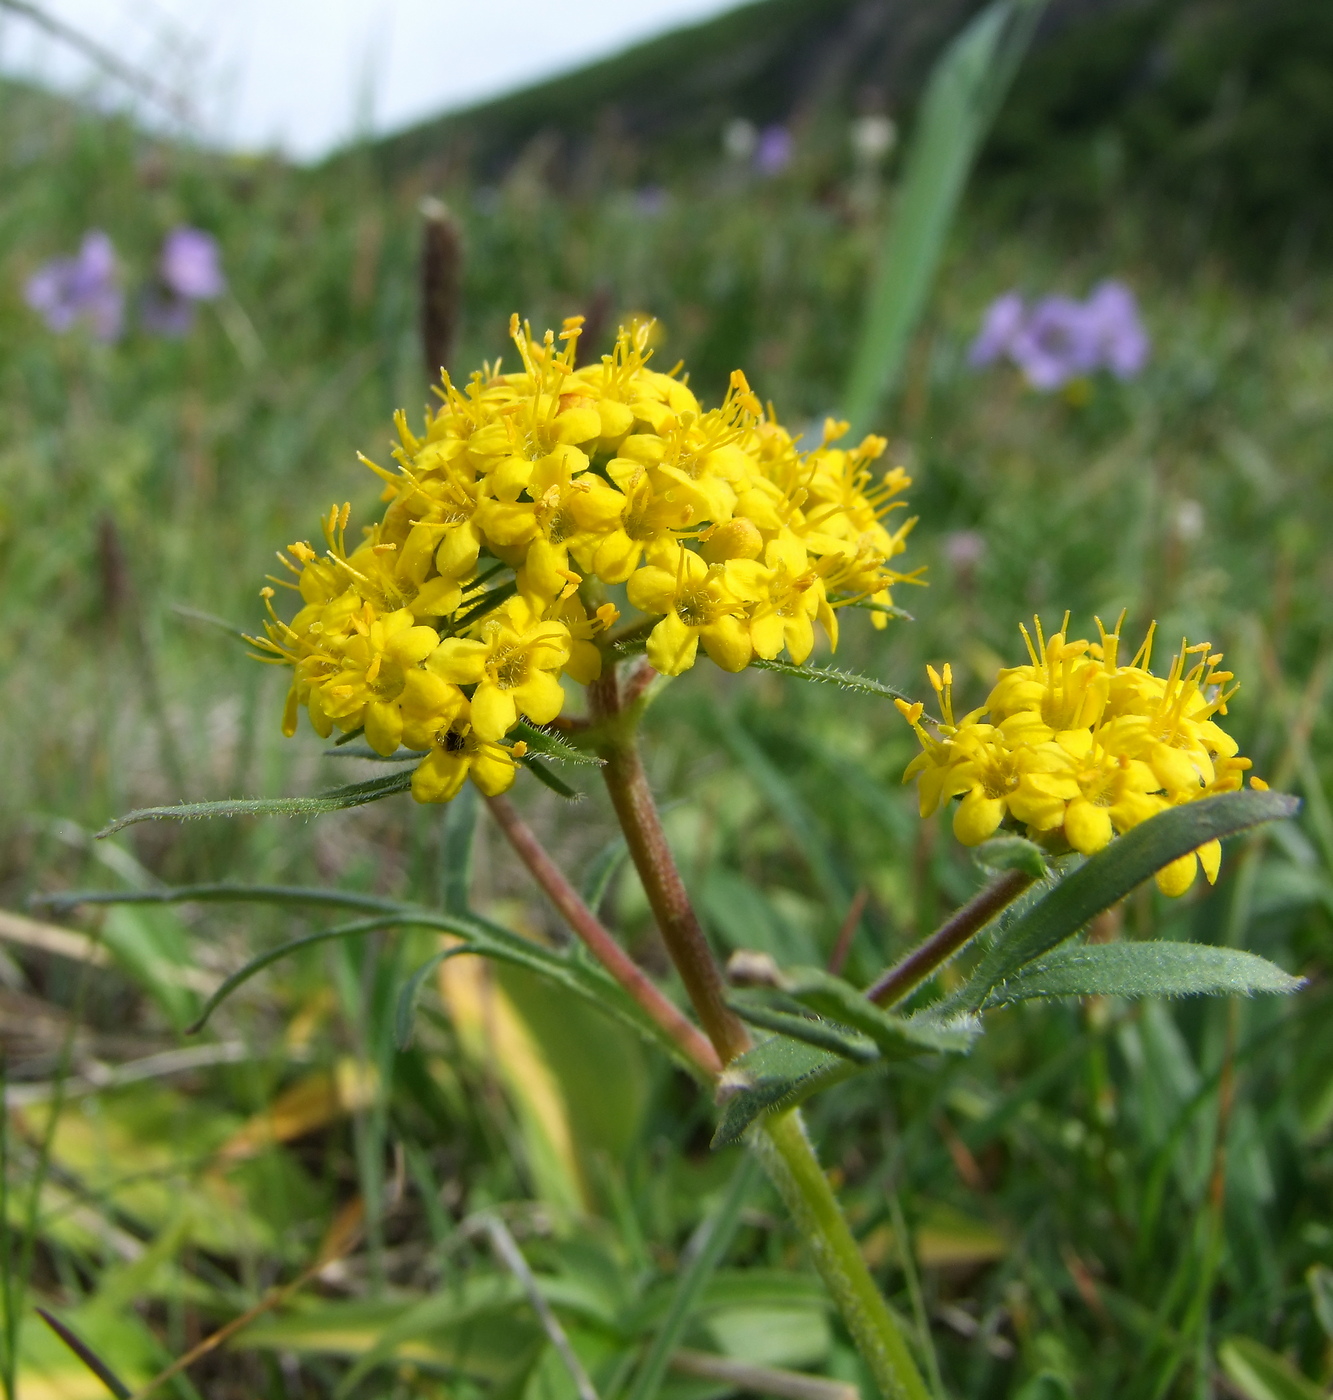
(1103, 1200)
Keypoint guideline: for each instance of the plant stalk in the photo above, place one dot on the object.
(784, 1149)
(693, 1044)
(627, 784)
(936, 950)
(779, 1140)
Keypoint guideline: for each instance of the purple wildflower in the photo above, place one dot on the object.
(166, 314)
(191, 266)
(1123, 342)
(65, 291)
(1001, 323)
(773, 153)
(1058, 342)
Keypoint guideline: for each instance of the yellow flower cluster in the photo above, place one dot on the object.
(1076, 746)
(530, 493)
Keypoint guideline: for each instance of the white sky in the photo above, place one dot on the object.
(305, 75)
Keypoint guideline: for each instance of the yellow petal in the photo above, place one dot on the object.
(1176, 878)
(493, 770)
(1210, 857)
(727, 642)
(977, 817)
(494, 712)
(1087, 826)
(384, 727)
(439, 776)
(459, 660)
(672, 646)
(653, 590)
(541, 697)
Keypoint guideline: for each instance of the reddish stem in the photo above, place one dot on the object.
(903, 976)
(599, 941)
(632, 798)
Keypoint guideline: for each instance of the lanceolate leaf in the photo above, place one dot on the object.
(550, 744)
(896, 1036)
(777, 1073)
(828, 675)
(1109, 876)
(547, 778)
(823, 1035)
(354, 795)
(1144, 970)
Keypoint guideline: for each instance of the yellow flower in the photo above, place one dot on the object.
(702, 603)
(459, 753)
(1075, 747)
(514, 665)
(524, 493)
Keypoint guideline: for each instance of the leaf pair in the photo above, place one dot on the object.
(1023, 961)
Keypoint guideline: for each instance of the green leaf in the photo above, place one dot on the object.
(1260, 1374)
(810, 1030)
(963, 94)
(221, 894)
(888, 609)
(897, 1037)
(777, 1073)
(551, 780)
(1145, 970)
(552, 744)
(1107, 877)
(830, 675)
(354, 795)
(366, 752)
(1012, 853)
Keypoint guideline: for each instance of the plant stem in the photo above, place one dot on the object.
(632, 799)
(779, 1140)
(693, 1044)
(784, 1149)
(973, 916)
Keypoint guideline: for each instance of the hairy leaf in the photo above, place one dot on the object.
(337, 800)
(896, 1036)
(551, 780)
(823, 1035)
(1107, 877)
(1012, 853)
(1144, 970)
(777, 1073)
(830, 675)
(552, 744)
(406, 1008)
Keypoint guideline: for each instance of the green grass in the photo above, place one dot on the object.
(1057, 1182)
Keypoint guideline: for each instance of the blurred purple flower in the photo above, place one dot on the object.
(964, 549)
(773, 153)
(1062, 339)
(1124, 343)
(191, 266)
(1058, 342)
(650, 200)
(1001, 323)
(166, 314)
(67, 290)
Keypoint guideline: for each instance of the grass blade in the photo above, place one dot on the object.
(964, 93)
(224, 893)
(709, 1247)
(86, 1354)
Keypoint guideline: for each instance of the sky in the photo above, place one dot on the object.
(306, 75)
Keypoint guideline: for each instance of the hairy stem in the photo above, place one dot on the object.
(784, 1149)
(636, 811)
(693, 1044)
(926, 957)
